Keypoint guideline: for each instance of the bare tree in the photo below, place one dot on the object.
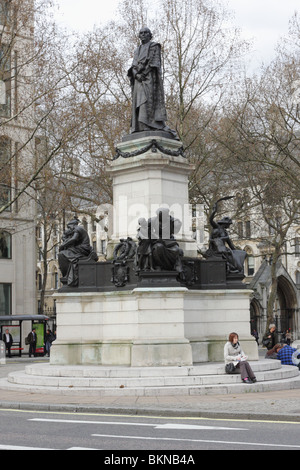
(200, 54)
(32, 83)
(262, 143)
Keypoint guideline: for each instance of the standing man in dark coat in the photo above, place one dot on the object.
(148, 104)
(32, 340)
(8, 340)
(270, 337)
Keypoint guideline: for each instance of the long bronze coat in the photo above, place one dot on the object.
(148, 105)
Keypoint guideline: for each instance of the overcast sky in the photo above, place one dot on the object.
(263, 20)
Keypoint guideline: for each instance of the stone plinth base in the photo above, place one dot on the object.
(132, 328)
(161, 353)
(150, 327)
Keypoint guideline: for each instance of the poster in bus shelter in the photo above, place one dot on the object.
(39, 329)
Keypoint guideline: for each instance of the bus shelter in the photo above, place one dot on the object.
(14, 323)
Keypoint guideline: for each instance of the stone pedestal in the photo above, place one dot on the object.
(132, 328)
(158, 319)
(143, 183)
(150, 327)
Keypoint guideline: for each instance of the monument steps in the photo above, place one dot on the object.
(153, 381)
(123, 371)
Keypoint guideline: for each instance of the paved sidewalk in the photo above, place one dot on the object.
(280, 405)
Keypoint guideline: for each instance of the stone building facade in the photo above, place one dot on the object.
(17, 157)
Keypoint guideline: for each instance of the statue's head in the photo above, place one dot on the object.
(145, 35)
(165, 211)
(73, 222)
(142, 222)
(226, 221)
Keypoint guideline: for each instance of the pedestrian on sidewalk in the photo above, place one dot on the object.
(49, 338)
(288, 336)
(32, 340)
(270, 338)
(234, 354)
(8, 340)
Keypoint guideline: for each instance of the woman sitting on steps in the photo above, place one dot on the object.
(233, 354)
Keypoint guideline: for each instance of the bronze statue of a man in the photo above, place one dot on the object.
(148, 103)
(75, 246)
(157, 248)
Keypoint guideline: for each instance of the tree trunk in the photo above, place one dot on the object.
(273, 291)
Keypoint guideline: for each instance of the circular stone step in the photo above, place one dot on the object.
(149, 381)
